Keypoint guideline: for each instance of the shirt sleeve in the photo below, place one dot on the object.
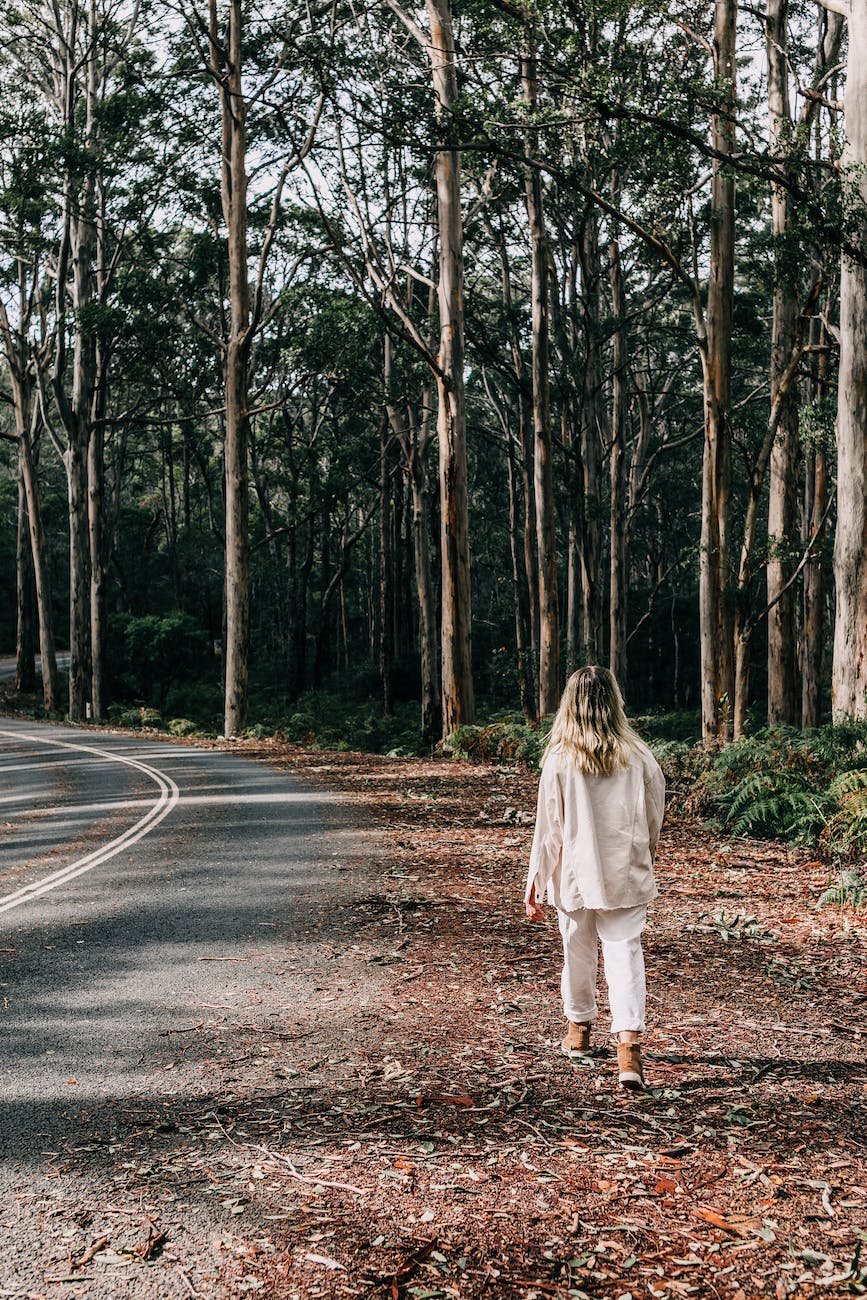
(654, 787)
(548, 836)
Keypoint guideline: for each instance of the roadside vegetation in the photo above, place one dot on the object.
(802, 788)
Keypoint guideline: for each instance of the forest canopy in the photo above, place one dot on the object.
(424, 353)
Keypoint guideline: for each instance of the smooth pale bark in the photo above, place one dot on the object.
(47, 653)
(96, 483)
(815, 505)
(75, 463)
(226, 69)
(17, 350)
(96, 547)
(76, 254)
(782, 499)
(41, 575)
(619, 503)
(386, 579)
(849, 671)
(25, 593)
(543, 481)
(715, 618)
(458, 706)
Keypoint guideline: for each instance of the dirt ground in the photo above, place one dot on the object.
(434, 1142)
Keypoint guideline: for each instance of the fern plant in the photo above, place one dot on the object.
(777, 804)
(851, 888)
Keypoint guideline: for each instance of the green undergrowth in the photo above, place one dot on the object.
(807, 788)
(804, 788)
(323, 720)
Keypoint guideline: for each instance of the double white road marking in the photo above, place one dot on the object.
(168, 797)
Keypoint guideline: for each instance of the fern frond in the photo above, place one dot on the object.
(855, 780)
(851, 887)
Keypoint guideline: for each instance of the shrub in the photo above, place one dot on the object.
(182, 727)
(509, 738)
(150, 654)
(138, 716)
(804, 787)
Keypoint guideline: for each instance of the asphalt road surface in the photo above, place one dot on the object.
(143, 886)
(9, 665)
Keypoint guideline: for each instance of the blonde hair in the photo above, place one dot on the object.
(590, 724)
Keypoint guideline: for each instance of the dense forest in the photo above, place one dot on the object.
(427, 352)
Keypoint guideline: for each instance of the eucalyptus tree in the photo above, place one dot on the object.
(849, 676)
(250, 59)
(374, 195)
(25, 204)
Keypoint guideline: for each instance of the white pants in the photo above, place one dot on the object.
(620, 932)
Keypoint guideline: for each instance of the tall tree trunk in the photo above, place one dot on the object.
(743, 627)
(815, 504)
(458, 706)
(782, 501)
(549, 613)
(591, 422)
(299, 637)
(575, 537)
(519, 595)
(226, 69)
(421, 539)
(715, 619)
(816, 478)
(96, 547)
(47, 654)
(527, 472)
(849, 671)
(25, 591)
(79, 582)
(386, 573)
(619, 511)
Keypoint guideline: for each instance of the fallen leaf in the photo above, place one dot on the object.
(325, 1261)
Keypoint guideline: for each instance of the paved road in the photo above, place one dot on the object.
(126, 891)
(8, 665)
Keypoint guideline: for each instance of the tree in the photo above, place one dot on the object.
(849, 674)
(717, 672)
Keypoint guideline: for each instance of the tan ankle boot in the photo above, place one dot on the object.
(577, 1040)
(629, 1067)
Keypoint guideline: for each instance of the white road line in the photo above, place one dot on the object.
(168, 797)
(230, 797)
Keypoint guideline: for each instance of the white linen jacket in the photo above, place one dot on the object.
(596, 835)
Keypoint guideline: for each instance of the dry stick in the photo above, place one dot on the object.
(88, 1255)
(292, 1171)
(788, 1029)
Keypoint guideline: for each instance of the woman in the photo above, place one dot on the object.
(601, 802)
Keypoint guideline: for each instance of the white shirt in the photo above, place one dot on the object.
(596, 835)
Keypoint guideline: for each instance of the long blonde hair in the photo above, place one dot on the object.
(590, 724)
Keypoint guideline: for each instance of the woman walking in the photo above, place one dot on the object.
(600, 809)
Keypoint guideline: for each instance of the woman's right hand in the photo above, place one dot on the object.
(531, 907)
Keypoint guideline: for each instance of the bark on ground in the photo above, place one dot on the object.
(434, 1142)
